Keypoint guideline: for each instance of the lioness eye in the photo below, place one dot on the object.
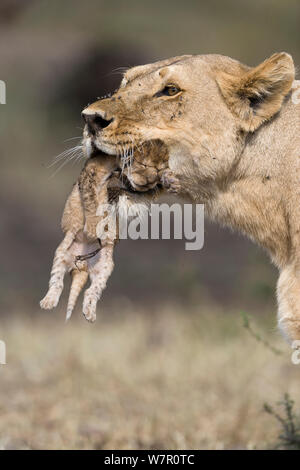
(169, 90)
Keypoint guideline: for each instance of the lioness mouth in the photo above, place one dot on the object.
(138, 172)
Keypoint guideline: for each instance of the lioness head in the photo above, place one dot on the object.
(200, 107)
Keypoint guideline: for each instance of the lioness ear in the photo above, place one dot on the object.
(256, 94)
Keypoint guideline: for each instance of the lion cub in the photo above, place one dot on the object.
(81, 252)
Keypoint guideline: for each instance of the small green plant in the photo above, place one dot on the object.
(289, 438)
(247, 325)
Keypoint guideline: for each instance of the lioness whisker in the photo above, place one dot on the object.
(73, 138)
(75, 153)
(65, 154)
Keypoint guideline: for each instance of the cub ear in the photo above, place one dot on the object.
(256, 94)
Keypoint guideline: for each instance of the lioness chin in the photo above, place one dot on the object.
(232, 134)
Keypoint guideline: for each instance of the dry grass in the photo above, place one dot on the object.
(169, 379)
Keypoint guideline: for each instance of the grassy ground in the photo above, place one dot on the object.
(169, 379)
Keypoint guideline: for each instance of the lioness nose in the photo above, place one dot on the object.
(95, 122)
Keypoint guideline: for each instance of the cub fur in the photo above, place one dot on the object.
(82, 252)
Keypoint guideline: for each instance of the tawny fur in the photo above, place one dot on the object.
(233, 137)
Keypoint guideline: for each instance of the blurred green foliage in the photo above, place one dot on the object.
(289, 437)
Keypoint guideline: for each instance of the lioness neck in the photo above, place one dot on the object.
(258, 197)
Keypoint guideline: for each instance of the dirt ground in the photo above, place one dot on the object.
(165, 379)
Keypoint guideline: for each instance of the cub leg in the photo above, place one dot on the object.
(79, 279)
(100, 269)
(60, 265)
(72, 222)
(288, 294)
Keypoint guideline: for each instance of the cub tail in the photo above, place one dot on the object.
(79, 279)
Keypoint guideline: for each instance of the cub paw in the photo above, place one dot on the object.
(170, 182)
(50, 300)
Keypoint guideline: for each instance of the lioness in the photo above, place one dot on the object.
(233, 136)
(90, 235)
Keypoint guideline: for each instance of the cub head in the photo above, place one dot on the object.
(200, 108)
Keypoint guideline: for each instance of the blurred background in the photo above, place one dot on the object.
(55, 58)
